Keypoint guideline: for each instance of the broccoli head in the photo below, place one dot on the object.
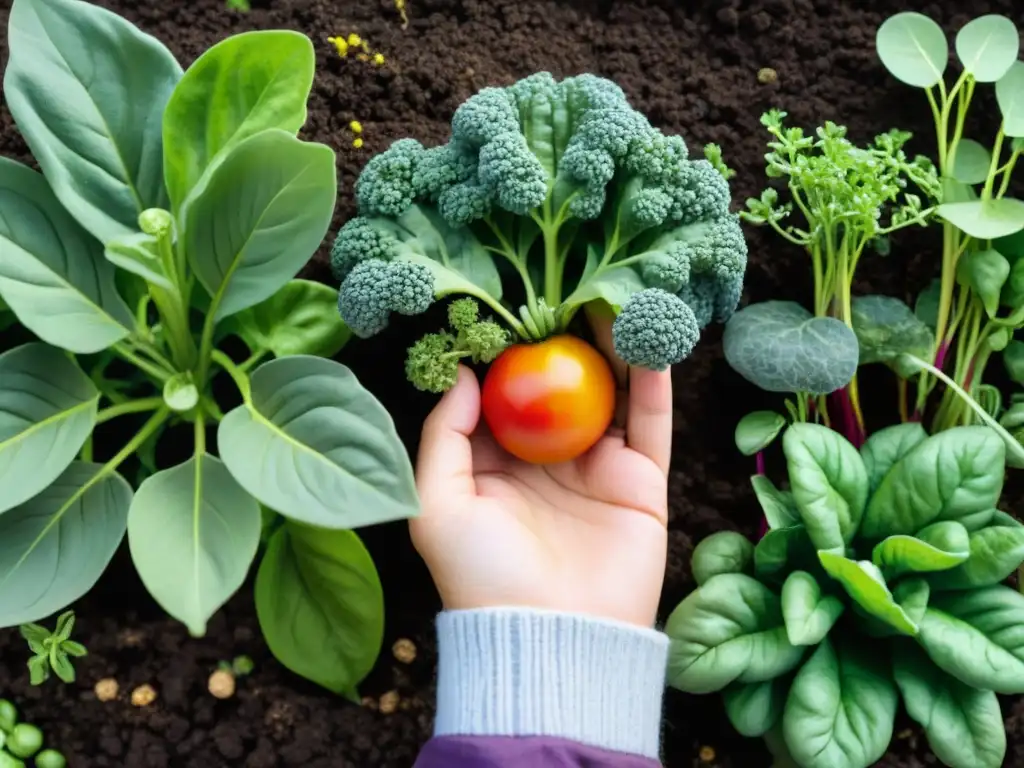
(655, 329)
(375, 288)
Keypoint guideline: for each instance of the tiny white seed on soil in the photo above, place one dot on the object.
(143, 696)
(106, 689)
(404, 650)
(221, 684)
(389, 702)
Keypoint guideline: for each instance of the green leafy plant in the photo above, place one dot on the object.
(21, 741)
(550, 197)
(52, 651)
(173, 211)
(879, 579)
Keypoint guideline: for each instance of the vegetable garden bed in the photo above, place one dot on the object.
(700, 70)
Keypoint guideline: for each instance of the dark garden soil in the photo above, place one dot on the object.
(692, 67)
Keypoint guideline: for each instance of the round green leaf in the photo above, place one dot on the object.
(313, 444)
(96, 143)
(1010, 96)
(193, 533)
(988, 47)
(988, 271)
(728, 630)
(913, 48)
(809, 615)
(757, 430)
(841, 707)
(937, 547)
(258, 216)
(886, 328)
(1013, 358)
(722, 552)
(985, 219)
(55, 546)
(300, 319)
(971, 164)
(320, 605)
(47, 410)
(885, 447)
(755, 708)
(964, 725)
(865, 584)
(781, 347)
(996, 551)
(778, 507)
(241, 86)
(53, 275)
(180, 392)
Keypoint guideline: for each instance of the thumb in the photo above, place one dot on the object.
(444, 468)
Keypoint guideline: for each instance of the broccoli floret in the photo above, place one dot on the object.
(440, 168)
(385, 187)
(359, 241)
(376, 288)
(508, 170)
(655, 329)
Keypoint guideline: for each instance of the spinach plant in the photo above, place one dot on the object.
(879, 579)
(52, 651)
(173, 211)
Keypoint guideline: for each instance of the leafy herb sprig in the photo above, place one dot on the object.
(52, 651)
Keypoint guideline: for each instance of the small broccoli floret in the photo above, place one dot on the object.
(668, 269)
(376, 288)
(440, 168)
(430, 364)
(464, 203)
(359, 241)
(484, 116)
(702, 194)
(655, 329)
(463, 313)
(513, 173)
(385, 187)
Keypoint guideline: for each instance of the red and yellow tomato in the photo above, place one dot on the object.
(550, 401)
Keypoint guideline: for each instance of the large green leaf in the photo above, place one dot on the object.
(985, 219)
(728, 630)
(996, 551)
(53, 274)
(1010, 95)
(809, 614)
(55, 546)
(778, 506)
(313, 444)
(237, 88)
(754, 708)
(47, 410)
(963, 724)
(884, 448)
(954, 475)
(300, 319)
(1013, 359)
(841, 707)
(914, 49)
(722, 552)
(936, 547)
(886, 328)
(971, 164)
(829, 483)
(782, 549)
(258, 216)
(88, 91)
(193, 532)
(988, 46)
(320, 605)
(781, 347)
(977, 636)
(865, 584)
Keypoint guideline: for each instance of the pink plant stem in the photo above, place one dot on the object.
(848, 426)
(760, 462)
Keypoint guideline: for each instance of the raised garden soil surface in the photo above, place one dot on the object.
(692, 66)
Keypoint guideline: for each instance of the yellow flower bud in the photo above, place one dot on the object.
(358, 143)
(355, 126)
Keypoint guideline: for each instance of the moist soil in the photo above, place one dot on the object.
(692, 67)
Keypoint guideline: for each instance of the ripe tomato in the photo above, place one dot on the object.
(549, 401)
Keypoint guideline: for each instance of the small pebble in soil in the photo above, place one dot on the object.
(707, 754)
(404, 650)
(389, 702)
(143, 696)
(767, 75)
(369, 702)
(106, 689)
(221, 684)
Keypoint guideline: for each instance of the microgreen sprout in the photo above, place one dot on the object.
(52, 650)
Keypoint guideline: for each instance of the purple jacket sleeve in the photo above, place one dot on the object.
(538, 689)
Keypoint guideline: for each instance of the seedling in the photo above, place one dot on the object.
(53, 650)
(20, 741)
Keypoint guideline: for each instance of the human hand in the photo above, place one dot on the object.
(587, 536)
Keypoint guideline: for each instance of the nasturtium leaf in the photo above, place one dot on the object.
(48, 408)
(755, 707)
(180, 392)
(841, 707)
(88, 90)
(258, 216)
(239, 87)
(971, 164)
(985, 219)
(927, 305)
(866, 585)
(722, 552)
(313, 444)
(954, 475)
(1010, 96)
(320, 605)
(886, 328)
(783, 549)
(964, 725)
(55, 546)
(1013, 289)
(53, 275)
(914, 49)
(781, 347)
(988, 272)
(193, 533)
(829, 483)
(757, 430)
(1013, 358)
(138, 253)
(936, 547)
(887, 446)
(988, 46)
(809, 615)
(778, 506)
(912, 595)
(996, 551)
(300, 319)
(975, 635)
(728, 630)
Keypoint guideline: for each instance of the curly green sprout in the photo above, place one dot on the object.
(52, 650)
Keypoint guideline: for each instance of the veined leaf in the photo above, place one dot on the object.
(914, 49)
(809, 614)
(865, 584)
(754, 708)
(937, 547)
(886, 328)
(996, 551)
(985, 219)
(988, 46)
(1010, 95)
(972, 161)
(778, 507)
(757, 430)
(138, 253)
(722, 552)
(884, 448)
